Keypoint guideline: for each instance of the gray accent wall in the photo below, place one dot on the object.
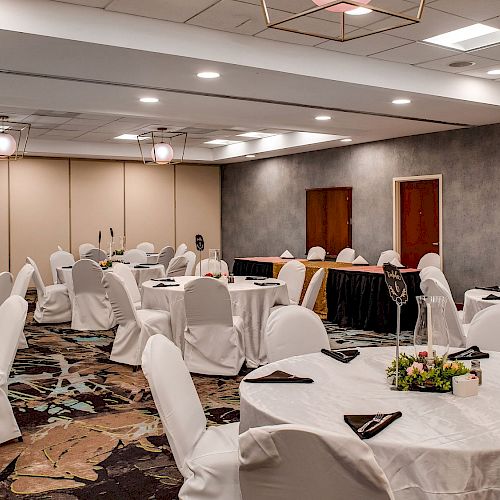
(264, 201)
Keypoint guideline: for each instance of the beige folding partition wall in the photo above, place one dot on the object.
(149, 204)
(4, 216)
(39, 211)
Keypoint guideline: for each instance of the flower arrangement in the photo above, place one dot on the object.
(415, 374)
(215, 275)
(105, 264)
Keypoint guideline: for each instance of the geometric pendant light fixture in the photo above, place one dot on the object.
(341, 11)
(162, 147)
(13, 139)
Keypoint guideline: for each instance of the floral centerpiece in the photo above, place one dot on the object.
(416, 374)
(215, 275)
(105, 264)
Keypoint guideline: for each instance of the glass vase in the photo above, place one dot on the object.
(214, 265)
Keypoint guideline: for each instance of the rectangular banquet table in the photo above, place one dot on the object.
(358, 298)
(271, 266)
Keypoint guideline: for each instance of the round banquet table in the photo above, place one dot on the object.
(473, 303)
(249, 301)
(440, 448)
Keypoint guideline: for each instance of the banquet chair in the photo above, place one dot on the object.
(135, 327)
(12, 319)
(60, 248)
(213, 338)
(177, 267)
(483, 329)
(20, 288)
(292, 331)
(60, 259)
(129, 281)
(208, 266)
(91, 308)
(387, 257)
(181, 250)
(5, 286)
(84, 248)
(53, 304)
(293, 273)
(436, 273)
(95, 254)
(295, 462)
(135, 256)
(346, 255)
(191, 257)
(316, 253)
(457, 331)
(165, 256)
(430, 259)
(145, 246)
(206, 458)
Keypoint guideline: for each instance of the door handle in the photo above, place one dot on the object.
(436, 244)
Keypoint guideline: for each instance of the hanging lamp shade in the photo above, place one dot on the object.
(162, 147)
(162, 153)
(8, 145)
(343, 7)
(13, 139)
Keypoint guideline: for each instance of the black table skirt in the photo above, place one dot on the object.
(360, 300)
(242, 267)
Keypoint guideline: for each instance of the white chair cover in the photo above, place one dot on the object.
(208, 266)
(22, 280)
(84, 248)
(207, 458)
(165, 256)
(96, 255)
(313, 289)
(181, 250)
(437, 274)
(292, 462)
(213, 336)
(147, 247)
(177, 266)
(129, 281)
(5, 286)
(293, 273)
(134, 327)
(387, 256)
(91, 307)
(60, 259)
(53, 304)
(316, 253)
(12, 318)
(346, 255)
(457, 331)
(292, 331)
(191, 257)
(430, 259)
(484, 329)
(135, 256)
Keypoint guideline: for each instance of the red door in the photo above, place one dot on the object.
(419, 220)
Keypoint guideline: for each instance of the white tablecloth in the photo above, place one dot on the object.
(473, 303)
(249, 301)
(442, 446)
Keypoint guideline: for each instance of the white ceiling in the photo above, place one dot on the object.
(76, 73)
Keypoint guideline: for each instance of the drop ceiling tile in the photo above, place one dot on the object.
(477, 10)
(366, 46)
(414, 53)
(489, 52)
(483, 72)
(88, 3)
(443, 64)
(284, 36)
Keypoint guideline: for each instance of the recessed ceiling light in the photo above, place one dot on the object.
(401, 101)
(346, 140)
(208, 75)
(249, 156)
(494, 72)
(221, 142)
(360, 11)
(129, 137)
(255, 135)
(468, 38)
(322, 118)
(149, 99)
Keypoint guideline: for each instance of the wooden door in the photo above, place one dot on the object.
(419, 220)
(316, 218)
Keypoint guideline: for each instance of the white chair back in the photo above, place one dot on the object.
(430, 259)
(293, 273)
(292, 462)
(37, 277)
(181, 250)
(96, 255)
(388, 256)
(346, 255)
(208, 266)
(484, 329)
(177, 266)
(316, 253)
(147, 247)
(165, 256)
(135, 256)
(175, 397)
(120, 299)
(22, 280)
(313, 289)
(60, 259)
(433, 288)
(292, 331)
(84, 248)
(191, 257)
(127, 275)
(5, 286)
(87, 279)
(437, 274)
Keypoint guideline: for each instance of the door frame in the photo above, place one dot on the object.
(396, 209)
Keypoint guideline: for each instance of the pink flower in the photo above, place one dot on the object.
(422, 354)
(415, 368)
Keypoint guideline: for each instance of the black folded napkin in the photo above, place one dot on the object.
(267, 283)
(151, 253)
(255, 278)
(169, 280)
(67, 267)
(494, 288)
(141, 266)
(472, 352)
(344, 355)
(162, 285)
(355, 422)
(279, 377)
(492, 297)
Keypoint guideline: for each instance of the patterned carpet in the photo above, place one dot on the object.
(90, 427)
